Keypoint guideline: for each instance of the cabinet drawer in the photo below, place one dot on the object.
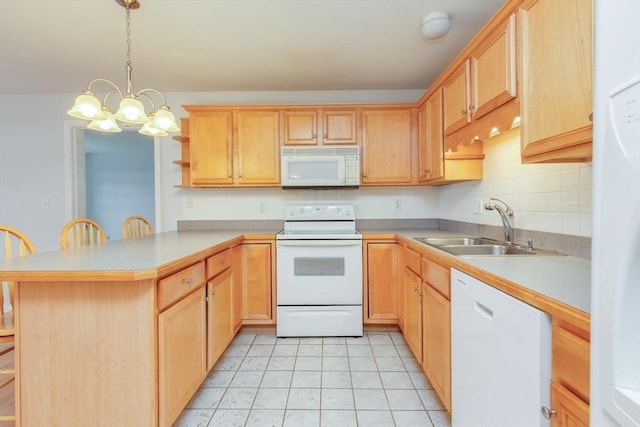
(411, 259)
(218, 263)
(571, 361)
(437, 276)
(172, 287)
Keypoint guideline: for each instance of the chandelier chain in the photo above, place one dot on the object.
(128, 35)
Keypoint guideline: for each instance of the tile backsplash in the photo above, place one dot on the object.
(554, 198)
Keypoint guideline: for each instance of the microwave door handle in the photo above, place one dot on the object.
(320, 243)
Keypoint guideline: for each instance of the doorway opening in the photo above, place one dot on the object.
(112, 176)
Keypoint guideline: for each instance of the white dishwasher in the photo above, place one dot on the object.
(500, 357)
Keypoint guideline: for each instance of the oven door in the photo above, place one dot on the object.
(319, 272)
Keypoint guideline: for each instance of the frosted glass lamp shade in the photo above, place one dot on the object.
(165, 120)
(435, 25)
(87, 107)
(149, 130)
(108, 124)
(131, 111)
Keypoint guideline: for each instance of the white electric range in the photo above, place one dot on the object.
(319, 272)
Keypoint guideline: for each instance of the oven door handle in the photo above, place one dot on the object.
(321, 243)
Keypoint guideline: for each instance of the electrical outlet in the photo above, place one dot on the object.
(188, 202)
(477, 206)
(261, 208)
(398, 205)
(45, 203)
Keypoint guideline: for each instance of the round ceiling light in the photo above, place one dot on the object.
(435, 25)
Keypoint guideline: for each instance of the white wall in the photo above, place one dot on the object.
(553, 198)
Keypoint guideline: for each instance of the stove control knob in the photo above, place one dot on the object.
(348, 213)
(339, 211)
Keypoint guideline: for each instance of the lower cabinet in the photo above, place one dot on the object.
(436, 342)
(182, 347)
(570, 376)
(258, 296)
(412, 291)
(237, 288)
(569, 409)
(381, 297)
(220, 328)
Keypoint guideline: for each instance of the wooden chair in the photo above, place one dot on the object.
(12, 243)
(136, 226)
(81, 232)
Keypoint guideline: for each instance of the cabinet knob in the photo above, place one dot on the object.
(229, 175)
(239, 175)
(548, 413)
(364, 174)
(314, 136)
(591, 117)
(472, 107)
(464, 112)
(188, 280)
(325, 136)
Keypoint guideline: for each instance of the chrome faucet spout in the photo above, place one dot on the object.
(506, 215)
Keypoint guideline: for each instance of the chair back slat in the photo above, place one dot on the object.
(136, 226)
(14, 243)
(81, 232)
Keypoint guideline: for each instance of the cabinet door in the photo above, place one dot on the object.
(386, 146)
(211, 140)
(258, 148)
(300, 127)
(219, 315)
(456, 94)
(382, 286)
(181, 354)
(411, 284)
(493, 69)
(339, 127)
(571, 411)
(237, 288)
(556, 81)
(431, 148)
(256, 283)
(436, 342)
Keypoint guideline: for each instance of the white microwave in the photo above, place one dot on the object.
(320, 166)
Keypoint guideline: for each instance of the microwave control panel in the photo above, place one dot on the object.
(352, 169)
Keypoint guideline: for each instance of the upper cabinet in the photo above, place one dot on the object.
(233, 147)
(484, 81)
(320, 127)
(430, 138)
(388, 144)
(556, 80)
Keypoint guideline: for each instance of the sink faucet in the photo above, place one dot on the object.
(506, 214)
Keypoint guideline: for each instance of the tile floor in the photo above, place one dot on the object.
(263, 381)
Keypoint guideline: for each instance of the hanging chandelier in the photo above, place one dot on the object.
(131, 111)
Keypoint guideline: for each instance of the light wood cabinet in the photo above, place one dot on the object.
(431, 139)
(381, 286)
(181, 354)
(570, 410)
(219, 315)
(320, 127)
(570, 375)
(388, 144)
(237, 288)
(257, 141)
(233, 147)
(556, 80)
(258, 296)
(211, 148)
(412, 296)
(484, 81)
(436, 327)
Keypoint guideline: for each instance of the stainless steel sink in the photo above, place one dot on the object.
(466, 245)
(465, 241)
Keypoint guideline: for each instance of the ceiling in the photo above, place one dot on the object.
(57, 46)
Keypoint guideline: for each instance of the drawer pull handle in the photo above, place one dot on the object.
(223, 261)
(188, 280)
(484, 310)
(548, 413)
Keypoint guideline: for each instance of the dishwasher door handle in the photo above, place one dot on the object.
(483, 309)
